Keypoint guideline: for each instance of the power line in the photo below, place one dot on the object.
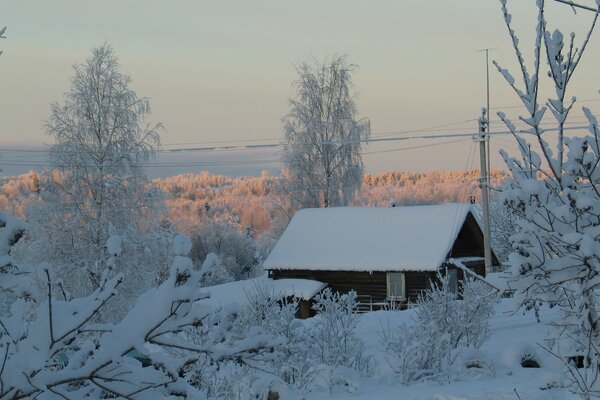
(249, 162)
(423, 129)
(417, 147)
(222, 163)
(252, 144)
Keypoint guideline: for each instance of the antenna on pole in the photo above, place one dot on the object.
(489, 113)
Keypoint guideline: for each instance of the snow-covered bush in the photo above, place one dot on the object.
(554, 193)
(333, 332)
(406, 352)
(55, 349)
(447, 324)
(456, 319)
(319, 353)
(502, 226)
(214, 271)
(237, 253)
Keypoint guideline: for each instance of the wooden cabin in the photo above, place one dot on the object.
(386, 255)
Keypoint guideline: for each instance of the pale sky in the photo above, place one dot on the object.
(222, 70)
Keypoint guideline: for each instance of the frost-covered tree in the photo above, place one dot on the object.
(555, 194)
(97, 186)
(323, 136)
(52, 347)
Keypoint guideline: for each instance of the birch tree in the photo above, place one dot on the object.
(98, 187)
(555, 194)
(323, 136)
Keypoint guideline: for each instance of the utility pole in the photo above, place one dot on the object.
(484, 179)
(484, 185)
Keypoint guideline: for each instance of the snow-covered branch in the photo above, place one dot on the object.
(556, 257)
(58, 346)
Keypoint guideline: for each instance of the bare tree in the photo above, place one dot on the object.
(555, 196)
(323, 136)
(98, 185)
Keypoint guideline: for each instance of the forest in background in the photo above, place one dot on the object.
(258, 205)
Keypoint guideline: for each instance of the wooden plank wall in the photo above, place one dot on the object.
(364, 283)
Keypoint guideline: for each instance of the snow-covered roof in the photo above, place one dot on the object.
(240, 291)
(409, 238)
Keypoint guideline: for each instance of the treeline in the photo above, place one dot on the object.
(257, 206)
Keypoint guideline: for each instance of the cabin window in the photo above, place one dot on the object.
(395, 285)
(452, 280)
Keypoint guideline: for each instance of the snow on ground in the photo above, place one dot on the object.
(512, 335)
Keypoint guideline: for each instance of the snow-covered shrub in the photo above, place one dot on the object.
(478, 300)
(554, 193)
(214, 272)
(502, 226)
(333, 332)
(15, 280)
(406, 353)
(447, 324)
(293, 361)
(320, 353)
(457, 319)
(287, 364)
(237, 252)
(55, 349)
